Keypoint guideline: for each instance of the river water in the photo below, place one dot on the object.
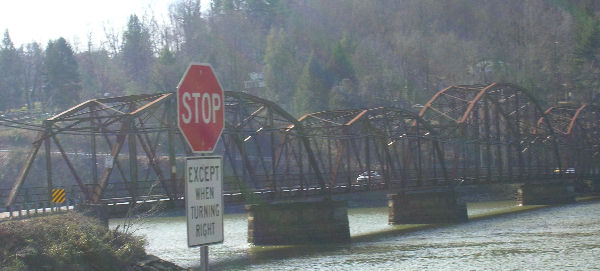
(555, 238)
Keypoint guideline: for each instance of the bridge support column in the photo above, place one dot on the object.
(595, 185)
(546, 193)
(98, 211)
(289, 223)
(426, 207)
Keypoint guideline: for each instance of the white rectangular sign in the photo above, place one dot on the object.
(108, 161)
(204, 200)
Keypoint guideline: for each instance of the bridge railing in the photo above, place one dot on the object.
(237, 188)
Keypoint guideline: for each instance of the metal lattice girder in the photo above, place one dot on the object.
(393, 141)
(490, 132)
(578, 135)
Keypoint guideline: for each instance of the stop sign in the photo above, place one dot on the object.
(200, 107)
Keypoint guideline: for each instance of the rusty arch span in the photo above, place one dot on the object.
(393, 141)
(577, 131)
(266, 147)
(490, 133)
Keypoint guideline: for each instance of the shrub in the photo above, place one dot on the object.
(66, 242)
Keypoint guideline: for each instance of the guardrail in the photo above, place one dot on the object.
(273, 187)
(39, 208)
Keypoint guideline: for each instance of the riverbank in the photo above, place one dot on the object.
(71, 241)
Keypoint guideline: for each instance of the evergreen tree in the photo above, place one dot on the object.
(190, 28)
(226, 6)
(266, 12)
(312, 91)
(587, 60)
(63, 87)
(403, 49)
(340, 65)
(344, 95)
(11, 78)
(165, 72)
(33, 72)
(281, 71)
(137, 54)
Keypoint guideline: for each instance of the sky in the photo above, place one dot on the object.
(74, 20)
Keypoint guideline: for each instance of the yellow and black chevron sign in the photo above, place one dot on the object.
(58, 195)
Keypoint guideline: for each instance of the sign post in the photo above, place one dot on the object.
(200, 118)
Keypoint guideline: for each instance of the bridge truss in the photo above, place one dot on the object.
(491, 133)
(133, 150)
(129, 147)
(392, 141)
(578, 137)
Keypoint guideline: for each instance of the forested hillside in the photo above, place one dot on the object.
(314, 55)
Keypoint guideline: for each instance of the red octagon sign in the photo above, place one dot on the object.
(200, 107)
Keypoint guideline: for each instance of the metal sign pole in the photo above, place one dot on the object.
(204, 258)
(203, 252)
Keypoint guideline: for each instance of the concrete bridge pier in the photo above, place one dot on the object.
(98, 211)
(298, 222)
(104, 211)
(595, 185)
(437, 205)
(556, 192)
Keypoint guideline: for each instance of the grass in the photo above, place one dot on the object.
(66, 242)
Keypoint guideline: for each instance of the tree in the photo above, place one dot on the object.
(587, 60)
(236, 48)
(266, 12)
(226, 6)
(344, 95)
(62, 76)
(389, 50)
(33, 72)
(312, 91)
(11, 78)
(340, 65)
(165, 72)
(190, 28)
(281, 70)
(101, 75)
(137, 54)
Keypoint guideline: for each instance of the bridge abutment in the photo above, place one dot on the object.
(425, 207)
(302, 222)
(546, 193)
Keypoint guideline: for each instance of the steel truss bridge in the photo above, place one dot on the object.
(129, 148)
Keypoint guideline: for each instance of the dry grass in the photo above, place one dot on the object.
(65, 242)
